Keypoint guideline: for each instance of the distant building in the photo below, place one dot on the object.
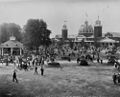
(89, 35)
(86, 29)
(64, 32)
(98, 29)
(107, 41)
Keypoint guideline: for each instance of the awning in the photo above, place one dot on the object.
(88, 41)
(108, 40)
(78, 40)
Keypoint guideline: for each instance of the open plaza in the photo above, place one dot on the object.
(72, 80)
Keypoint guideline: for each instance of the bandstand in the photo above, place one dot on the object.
(11, 47)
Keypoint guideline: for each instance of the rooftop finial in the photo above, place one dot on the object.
(98, 22)
(86, 16)
(65, 21)
(98, 17)
(12, 36)
(65, 26)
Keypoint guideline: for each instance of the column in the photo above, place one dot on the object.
(2, 52)
(20, 51)
(11, 51)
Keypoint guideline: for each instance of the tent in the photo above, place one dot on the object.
(108, 40)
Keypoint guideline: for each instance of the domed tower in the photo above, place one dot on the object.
(64, 32)
(86, 29)
(98, 29)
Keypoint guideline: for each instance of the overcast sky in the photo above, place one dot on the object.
(55, 12)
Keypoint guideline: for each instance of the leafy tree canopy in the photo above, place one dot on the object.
(8, 29)
(108, 34)
(36, 34)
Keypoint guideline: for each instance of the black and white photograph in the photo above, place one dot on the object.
(59, 48)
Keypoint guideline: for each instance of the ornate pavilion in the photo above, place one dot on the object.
(11, 47)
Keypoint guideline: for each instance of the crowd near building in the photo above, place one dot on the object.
(88, 34)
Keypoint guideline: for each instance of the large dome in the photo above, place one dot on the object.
(86, 28)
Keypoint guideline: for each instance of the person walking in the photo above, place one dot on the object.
(78, 60)
(98, 60)
(118, 78)
(42, 68)
(15, 76)
(36, 68)
(114, 78)
(101, 61)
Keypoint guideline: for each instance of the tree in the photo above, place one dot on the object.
(108, 34)
(36, 34)
(8, 29)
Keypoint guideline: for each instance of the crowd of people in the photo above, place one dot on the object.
(33, 61)
(92, 53)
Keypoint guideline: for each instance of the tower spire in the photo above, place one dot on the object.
(98, 22)
(64, 25)
(98, 17)
(65, 21)
(64, 31)
(98, 28)
(86, 15)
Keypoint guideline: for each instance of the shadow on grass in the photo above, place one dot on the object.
(10, 89)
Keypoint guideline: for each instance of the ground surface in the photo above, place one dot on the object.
(71, 81)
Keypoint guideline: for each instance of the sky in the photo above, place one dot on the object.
(55, 12)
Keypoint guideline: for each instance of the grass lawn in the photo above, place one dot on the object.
(71, 81)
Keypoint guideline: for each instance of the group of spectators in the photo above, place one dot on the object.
(32, 60)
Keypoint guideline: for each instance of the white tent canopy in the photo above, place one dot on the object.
(108, 40)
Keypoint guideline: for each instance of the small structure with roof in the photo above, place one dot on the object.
(107, 41)
(11, 47)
